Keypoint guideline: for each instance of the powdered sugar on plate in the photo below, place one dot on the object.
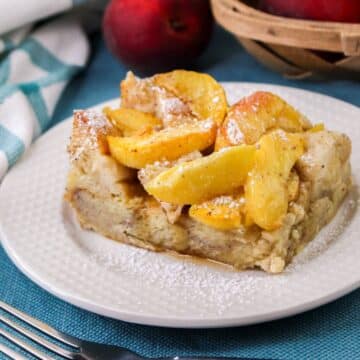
(215, 285)
(328, 236)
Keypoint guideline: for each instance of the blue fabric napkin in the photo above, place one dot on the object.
(34, 71)
(36, 63)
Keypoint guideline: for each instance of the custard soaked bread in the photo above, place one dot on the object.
(174, 168)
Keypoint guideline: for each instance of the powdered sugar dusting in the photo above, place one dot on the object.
(229, 201)
(219, 287)
(169, 108)
(172, 105)
(233, 132)
(216, 287)
(152, 170)
(91, 125)
(207, 124)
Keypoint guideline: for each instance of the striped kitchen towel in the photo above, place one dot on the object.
(36, 63)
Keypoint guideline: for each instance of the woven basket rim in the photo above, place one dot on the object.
(293, 21)
(248, 22)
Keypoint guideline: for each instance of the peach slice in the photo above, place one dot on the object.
(196, 181)
(131, 121)
(266, 188)
(223, 212)
(204, 94)
(253, 116)
(168, 144)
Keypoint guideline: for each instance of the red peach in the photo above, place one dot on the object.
(158, 34)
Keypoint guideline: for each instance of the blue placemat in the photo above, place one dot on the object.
(330, 332)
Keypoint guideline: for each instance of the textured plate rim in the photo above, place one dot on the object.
(185, 323)
(166, 321)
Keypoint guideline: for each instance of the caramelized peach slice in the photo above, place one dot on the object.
(223, 212)
(167, 144)
(196, 181)
(131, 121)
(266, 190)
(253, 116)
(205, 95)
(317, 127)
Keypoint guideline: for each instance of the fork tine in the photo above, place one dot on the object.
(41, 341)
(27, 347)
(46, 329)
(10, 353)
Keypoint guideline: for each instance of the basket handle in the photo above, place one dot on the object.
(350, 43)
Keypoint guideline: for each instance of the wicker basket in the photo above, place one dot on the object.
(296, 48)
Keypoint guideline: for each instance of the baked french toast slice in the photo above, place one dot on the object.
(247, 225)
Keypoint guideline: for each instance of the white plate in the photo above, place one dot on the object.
(134, 285)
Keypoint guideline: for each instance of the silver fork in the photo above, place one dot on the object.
(72, 348)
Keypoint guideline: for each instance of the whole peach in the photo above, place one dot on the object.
(153, 35)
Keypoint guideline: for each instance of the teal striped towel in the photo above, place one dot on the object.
(36, 63)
